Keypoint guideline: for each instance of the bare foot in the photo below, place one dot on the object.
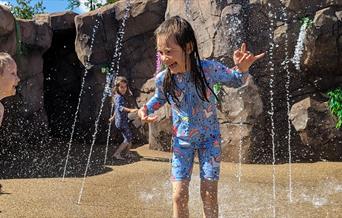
(118, 157)
(130, 154)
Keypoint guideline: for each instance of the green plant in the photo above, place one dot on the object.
(335, 105)
(91, 4)
(111, 1)
(24, 10)
(217, 88)
(72, 4)
(306, 21)
(105, 70)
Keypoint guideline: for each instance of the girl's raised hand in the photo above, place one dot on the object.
(243, 59)
(142, 113)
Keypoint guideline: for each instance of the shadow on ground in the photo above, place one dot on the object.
(47, 160)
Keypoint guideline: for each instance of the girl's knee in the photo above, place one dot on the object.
(180, 193)
(180, 197)
(209, 196)
(209, 191)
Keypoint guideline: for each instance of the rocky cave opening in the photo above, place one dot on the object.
(62, 82)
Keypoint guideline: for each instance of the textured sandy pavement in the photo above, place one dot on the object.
(143, 189)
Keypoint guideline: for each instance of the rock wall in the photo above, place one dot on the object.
(137, 59)
(272, 26)
(26, 41)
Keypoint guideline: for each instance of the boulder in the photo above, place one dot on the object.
(7, 31)
(136, 58)
(239, 110)
(322, 59)
(159, 132)
(308, 6)
(58, 21)
(28, 117)
(34, 35)
(136, 30)
(316, 126)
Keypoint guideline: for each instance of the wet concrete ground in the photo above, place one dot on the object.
(141, 188)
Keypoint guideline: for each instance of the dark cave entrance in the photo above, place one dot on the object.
(62, 82)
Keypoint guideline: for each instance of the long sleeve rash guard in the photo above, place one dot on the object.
(194, 120)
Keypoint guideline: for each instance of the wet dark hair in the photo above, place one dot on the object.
(184, 35)
(115, 87)
(118, 80)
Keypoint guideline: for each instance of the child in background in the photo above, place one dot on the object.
(8, 81)
(187, 85)
(121, 115)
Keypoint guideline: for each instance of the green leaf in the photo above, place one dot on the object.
(24, 10)
(217, 88)
(335, 105)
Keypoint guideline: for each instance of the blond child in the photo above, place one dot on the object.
(8, 81)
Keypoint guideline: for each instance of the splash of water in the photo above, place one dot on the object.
(187, 8)
(158, 63)
(239, 174)
(298, 53)
(250, 198)
(271, 112)
(115, 66)
(96, 26)
(322, 194)
(288, 104)
(117, 56)
(92, 144)
(233, 29)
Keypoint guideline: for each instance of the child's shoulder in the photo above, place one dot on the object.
(161, 74)
(118, 97)
(159, 78)
(210, 62)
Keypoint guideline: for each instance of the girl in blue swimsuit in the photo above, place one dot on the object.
(187, 85)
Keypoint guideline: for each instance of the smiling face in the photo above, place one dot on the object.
(8, 79)
(172, 55)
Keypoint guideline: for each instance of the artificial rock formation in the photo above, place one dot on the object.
(316, 127)
(7, 31)
(57, 67)
(26, 41)
(136, 58)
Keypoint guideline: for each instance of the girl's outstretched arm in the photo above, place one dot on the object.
(156, 102)
(236, 76)
(130, 110)
(142, 113)
(219, 73)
